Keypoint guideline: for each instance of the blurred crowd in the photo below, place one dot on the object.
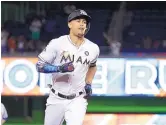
(36, 31)
(146, 45)
(33, 34)
(27, 37)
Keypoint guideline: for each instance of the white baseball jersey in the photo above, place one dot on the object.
(4, 114)
(62, 50)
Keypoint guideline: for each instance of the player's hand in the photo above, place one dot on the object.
(67, 67)
(88, 90)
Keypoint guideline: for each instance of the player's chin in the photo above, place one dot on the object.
(80, 34)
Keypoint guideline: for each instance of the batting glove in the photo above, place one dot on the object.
(88, 90)
(67, 67)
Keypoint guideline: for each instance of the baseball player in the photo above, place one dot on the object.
(72, 61)
(4, 114)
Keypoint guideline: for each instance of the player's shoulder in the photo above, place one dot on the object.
(58, 40)
(92, 44)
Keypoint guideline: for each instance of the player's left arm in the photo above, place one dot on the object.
(91, 73)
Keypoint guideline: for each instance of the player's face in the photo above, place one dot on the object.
(78, 26)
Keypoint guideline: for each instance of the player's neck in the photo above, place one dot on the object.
(77, 41)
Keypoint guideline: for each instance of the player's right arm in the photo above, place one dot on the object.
(4, 114)
(44, 67)
(46, 58)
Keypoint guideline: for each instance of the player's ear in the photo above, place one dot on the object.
(69, 25)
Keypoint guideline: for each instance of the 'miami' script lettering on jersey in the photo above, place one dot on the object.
(63, 50)
(72, 58)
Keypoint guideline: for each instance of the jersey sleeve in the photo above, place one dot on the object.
(97, 52)
(49, 53)
(4, 113)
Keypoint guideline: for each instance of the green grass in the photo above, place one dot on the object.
(21, 124)
(111, 105)
(127, 105)
(24, 124)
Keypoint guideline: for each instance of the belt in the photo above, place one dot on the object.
(66, 96)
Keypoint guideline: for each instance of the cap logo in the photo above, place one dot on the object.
(82, 12)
